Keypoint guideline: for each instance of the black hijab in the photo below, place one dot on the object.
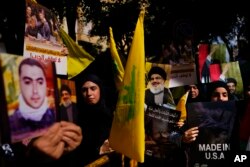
(216, 84)
(95, 121)
(98, 110)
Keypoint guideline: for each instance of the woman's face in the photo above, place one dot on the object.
(91, 92)
(219, 94)
(194, 91)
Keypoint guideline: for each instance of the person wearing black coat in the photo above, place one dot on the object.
(95, 119)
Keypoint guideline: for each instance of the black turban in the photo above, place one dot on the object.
(157, 70)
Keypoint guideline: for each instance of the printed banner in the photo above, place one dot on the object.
(177, 75)
(41, 39)
(29, 101)
(216, 121)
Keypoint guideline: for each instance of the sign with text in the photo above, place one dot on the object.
(41, 39)
(184, 74)
(160, 123)
(177, 75)
(216, 121)
(161, 113)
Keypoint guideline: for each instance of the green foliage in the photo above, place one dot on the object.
(165, 20)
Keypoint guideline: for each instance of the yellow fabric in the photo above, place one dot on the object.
(133, 163)
(119, 73)
(78, 59)
(127, 132)
(181, 106)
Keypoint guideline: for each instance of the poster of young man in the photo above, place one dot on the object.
(30, 95)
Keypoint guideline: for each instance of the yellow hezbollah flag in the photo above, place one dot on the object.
(78, 58)
(181, 106)
(119, 70)
(127, 132)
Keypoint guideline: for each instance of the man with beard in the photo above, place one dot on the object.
(158, 94)
(162, 136)
(68, 109)
(232, 84)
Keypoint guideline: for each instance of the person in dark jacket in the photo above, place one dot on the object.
(95, 119)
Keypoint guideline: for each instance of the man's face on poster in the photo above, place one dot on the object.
(66, 98)
(33, 85)
(231, 87)
(156, 82)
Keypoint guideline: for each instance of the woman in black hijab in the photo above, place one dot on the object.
(95, 119)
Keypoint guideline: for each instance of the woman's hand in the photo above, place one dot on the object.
(60, 137)
(72, 135)
(51, 142)
(190, 135)
(180, 123)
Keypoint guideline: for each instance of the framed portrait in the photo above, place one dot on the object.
(29, 96)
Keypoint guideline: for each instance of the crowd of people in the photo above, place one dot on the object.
(70, 133)
(80, 134)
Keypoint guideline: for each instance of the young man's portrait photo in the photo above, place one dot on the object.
(31, 109)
